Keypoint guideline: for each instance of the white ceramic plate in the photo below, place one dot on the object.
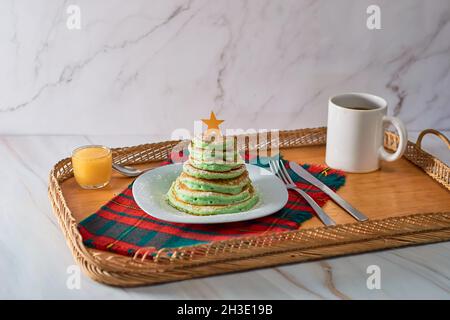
(149, 192)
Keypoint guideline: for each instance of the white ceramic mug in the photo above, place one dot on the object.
(355, 133)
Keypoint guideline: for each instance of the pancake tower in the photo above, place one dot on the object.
(214, 179)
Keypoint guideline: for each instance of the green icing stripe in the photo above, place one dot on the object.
(223, 188)
(225, 144)
(221, 167)
(211, 210)
(203, 174)
(214, 155)
(208, 198)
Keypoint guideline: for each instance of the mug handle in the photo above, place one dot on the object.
(403, 135)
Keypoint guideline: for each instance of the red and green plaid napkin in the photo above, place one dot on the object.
(120, 226)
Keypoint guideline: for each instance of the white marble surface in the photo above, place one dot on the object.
(34, 257)
(268, 64)
(137, 70)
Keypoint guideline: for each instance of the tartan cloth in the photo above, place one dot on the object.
(120, 226)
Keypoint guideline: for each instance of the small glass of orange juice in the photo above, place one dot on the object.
(92, 166)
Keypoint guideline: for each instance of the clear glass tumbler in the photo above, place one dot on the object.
(92, 166)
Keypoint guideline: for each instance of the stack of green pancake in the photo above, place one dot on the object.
(214, 179)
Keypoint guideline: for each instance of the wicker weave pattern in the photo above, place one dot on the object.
(246, 253)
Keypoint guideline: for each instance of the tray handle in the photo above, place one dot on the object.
(436, 133)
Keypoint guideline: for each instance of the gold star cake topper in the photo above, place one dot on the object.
(212, 123)
(213, 131)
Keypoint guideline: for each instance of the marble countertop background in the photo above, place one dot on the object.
(36, 262)
(137, 70)
(259, 63)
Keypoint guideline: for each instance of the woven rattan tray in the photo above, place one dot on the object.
(407, 202)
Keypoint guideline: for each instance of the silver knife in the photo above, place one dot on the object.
(298, 169)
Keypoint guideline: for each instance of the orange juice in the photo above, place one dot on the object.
(92, 166)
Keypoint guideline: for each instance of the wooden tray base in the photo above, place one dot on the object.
(407, 202)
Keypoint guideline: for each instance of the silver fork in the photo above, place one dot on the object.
(277, 168)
